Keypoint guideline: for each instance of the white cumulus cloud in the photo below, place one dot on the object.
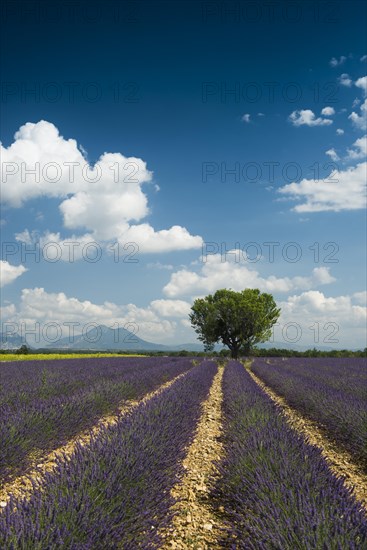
(39, 306)
(306, 117)
(171, 308)
(360, 121)
(344, 190)
(328, 111)
(106, 199)
(8, 272)
(335, 62)
(361, 297)
(362, 84)
(165, 240)
(332, 154)
(322, 320)
(359, 149)
(218, 272)
(345, 80)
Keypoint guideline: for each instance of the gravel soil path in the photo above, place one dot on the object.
(194, 526)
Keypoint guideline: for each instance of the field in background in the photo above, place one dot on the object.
(6, 357)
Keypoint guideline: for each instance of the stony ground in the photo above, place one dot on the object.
(194, 525)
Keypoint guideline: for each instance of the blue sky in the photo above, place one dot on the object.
(227, 111)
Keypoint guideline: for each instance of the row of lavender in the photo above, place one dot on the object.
(332, 392)
(276, 489)
(115, 493)
(45, 403)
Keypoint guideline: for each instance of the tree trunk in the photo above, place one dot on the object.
(246, 349)
(234, 352)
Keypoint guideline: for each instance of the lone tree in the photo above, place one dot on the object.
(238, 319)
(23, 350)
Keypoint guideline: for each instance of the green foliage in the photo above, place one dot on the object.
(23, 350)
(5, 355)
(285, 352)
(237, 319)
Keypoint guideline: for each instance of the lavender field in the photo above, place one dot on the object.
(272, 490)
(277, 490)
(330, 391)
(117, 491)
(45, 403)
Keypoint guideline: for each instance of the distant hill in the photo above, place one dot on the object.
(103, 338)
(11, 342)
(100, 338)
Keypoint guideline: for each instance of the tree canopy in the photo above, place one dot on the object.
(237, 319)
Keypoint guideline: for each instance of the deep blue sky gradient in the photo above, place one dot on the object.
(162, 54)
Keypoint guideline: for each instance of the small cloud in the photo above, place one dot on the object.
(334, 62)
(328, 111)
(364, 58)
(306, 117)
(269, 188)
(246, 118)
(260, 114)
(332, 154)
(356, 102)
(339, 131)
(362, 83)
(345, 80)
(158, 265)
(156, 187)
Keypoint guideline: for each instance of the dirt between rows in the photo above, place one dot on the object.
(339, 460)
(24, 485)
(194, 526)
